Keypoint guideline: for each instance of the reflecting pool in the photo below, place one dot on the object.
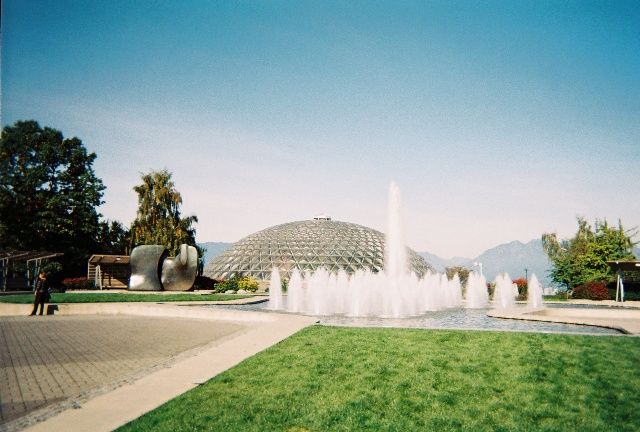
(458, 318)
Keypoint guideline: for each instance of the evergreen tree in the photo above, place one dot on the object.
(584, 257)
(158, 219)
(48, 193)
(113, 238)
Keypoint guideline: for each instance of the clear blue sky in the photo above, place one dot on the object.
(499, 120)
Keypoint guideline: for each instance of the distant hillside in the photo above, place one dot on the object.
(511, 257)
(514, 257)
(441, 263)
(213, 249)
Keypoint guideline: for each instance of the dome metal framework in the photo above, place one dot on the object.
(307, 245)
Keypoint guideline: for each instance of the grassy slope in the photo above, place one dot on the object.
(343, 379)
(119, 297)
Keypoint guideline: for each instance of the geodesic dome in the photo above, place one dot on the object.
(307, 245)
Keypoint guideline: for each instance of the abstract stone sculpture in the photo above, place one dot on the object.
(146, 266)
(179, 273)
(151, 270)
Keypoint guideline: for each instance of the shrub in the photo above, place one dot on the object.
(591, 291)
(491, 288)
(522, 288)
(230, 284)
(248, 283)
(237, 283)
(78, 283)
(53, 270)
(628, 295)
(631, 287)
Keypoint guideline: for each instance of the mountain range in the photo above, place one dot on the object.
(513, 257)
(213, 249)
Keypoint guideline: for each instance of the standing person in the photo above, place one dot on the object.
(42, 293)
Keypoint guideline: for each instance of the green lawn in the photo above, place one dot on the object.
(558, 297)
(348, 379)
(120, 297)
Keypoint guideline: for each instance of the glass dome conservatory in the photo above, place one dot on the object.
(307, 245)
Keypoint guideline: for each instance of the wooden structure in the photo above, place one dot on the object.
(19, 269)
(620, 267)
(109, 271)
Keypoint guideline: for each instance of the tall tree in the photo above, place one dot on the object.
(462, 272)
(584, 257)
(48, 193)
(158, 219)
(113, 238)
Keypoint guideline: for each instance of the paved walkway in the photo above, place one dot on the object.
(114, 362)
(625, 318)
(55, 362)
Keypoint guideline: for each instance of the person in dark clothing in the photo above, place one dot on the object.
(42, 293)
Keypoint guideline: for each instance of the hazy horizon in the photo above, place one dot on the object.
(445, 257)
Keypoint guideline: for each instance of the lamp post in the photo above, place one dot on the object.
(478, 264)
(526, 274)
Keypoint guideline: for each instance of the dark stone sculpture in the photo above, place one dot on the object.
(151, 270)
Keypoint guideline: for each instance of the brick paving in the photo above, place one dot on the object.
(48, 363)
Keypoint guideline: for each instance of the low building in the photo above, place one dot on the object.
(109, 271)
(19, 269)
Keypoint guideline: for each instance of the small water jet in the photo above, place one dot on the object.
(505, 292)
(275, 290)
(294, 292)
(534, 293)
(477, 292)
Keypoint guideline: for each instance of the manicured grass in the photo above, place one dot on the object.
(558, 297)
(348, 379)
(120, 297)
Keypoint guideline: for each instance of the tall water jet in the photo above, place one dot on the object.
(504, 296)
(275, 290)
(477, 293)
(395, 253)
(455, 291)
(534, 293)
(393, 292)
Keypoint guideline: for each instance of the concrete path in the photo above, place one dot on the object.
(17, 309)
(97, 366)
(626, 319)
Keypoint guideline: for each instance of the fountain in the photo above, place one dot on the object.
(368, 294)
(394, 292)
(534, 293)
(395, 253)
(275, 290)
(505, 293)
(477, 293)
